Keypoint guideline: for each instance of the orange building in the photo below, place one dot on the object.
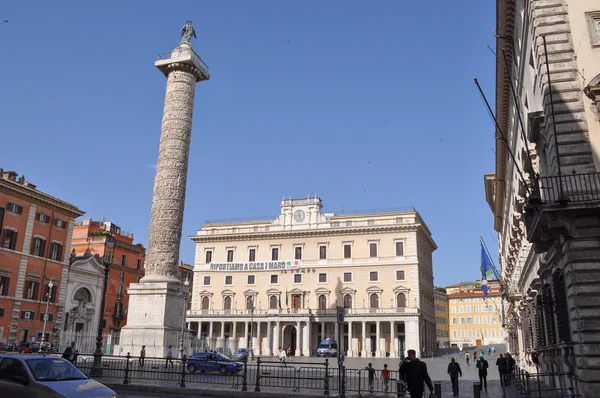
(35, 245)
(126, 261)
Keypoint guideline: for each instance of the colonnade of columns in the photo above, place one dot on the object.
(379, 338)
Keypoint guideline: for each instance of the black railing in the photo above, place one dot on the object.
(260, 375)
(570, 188)
(522, 384)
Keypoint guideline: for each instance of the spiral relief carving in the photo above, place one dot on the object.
(168, 200)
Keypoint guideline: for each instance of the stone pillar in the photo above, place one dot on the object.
(323, 334)
(210, 335)
(269, 348)
(246, 332)
(306, 340)
(411, 328)
(298, 333)
(350, 349)
(155, 305)
(257, 347)
(276, 339)
(393, 339)
(378, 340)
(363, 351)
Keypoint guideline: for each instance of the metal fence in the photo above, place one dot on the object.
(573, 187)
(522, 384)
(259, 375)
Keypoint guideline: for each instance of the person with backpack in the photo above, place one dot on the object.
(414, 373)
(482, 365)
(454, 370)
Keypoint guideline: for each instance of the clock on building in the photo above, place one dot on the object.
(299, 215)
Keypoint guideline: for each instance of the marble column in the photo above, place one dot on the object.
(210, 334)
(276, 338)
(350, 348)
(298, 333)
(306, 340)
(412, 337)
(323, 334)
(378, 340)
(269, 350)
(258, 346)
(246, 332)
(363, 351)
(393, 340)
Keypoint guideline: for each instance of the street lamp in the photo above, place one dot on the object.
(48, 295)
(251, 322)
(184, 294)
(96, 370)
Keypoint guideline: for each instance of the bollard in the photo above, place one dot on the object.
(326, 392)
(244, 382)
(343, 386)
(400, 388)
(257, 387)
(476, 389)
(126, 381)
(183, 361)
(437, 388)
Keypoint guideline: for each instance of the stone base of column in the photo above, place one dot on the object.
(363, 354)
(305, 352)
(153, 319)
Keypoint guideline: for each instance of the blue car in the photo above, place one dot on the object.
(212, 362)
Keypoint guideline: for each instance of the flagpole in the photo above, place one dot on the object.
(494, 269)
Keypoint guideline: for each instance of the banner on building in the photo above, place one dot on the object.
(256, 266)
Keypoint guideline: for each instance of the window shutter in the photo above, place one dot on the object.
(14, 241)
(1, 311)
(19, 209)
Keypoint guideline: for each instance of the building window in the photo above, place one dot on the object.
(27, 315)
(297, 253)
(60, 223)
(120, 293)
(297, 278)
(454, 321)
(31, 290)
(347, 276)
(374, 301)
(273, 302)
(14, 208)
(401, 300)
(373, 276)
(230, 255)
(229, 280)
(208, 256)
(123, 260)
(122, 277)
(4, 283)
(322, 252)
(399, 248)
(296, 301)
(227, 302)
(370, 222)
(43, 218)
(400, 276)
(56, 252)
(335, 224)
(249, 303)
(274, 254)
(372, 250)
(348, 223)
(347, 251)
(9, 240)
(322, 302)
(251, 254)
(251, 280)
(323, 278)
(274, 279)
(207, 281)
(139, 264)
(347, 301)
(37, 246)
(593, 22)
(205, 303)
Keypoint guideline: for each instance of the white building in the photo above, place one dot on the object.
(280, 280)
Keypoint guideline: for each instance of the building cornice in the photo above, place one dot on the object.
(267, 235)
(40, 198)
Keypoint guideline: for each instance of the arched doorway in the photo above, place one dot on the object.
(289, 334)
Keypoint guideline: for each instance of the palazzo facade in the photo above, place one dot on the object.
(279, 282)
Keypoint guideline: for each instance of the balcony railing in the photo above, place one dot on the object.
(305, 311)
(178, 52)
(572, 188)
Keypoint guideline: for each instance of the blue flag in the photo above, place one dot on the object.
(486, 268)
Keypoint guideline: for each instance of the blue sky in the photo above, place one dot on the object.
(367, 104)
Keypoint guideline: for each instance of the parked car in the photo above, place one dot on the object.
(241, 354)
(212, 362)
(327, 348)
(28, 375)
(4, 347)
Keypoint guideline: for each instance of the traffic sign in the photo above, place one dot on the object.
(340, 314)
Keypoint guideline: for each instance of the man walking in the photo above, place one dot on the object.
(454, 370)
(414, 373)
(142, 356)
(169, 356)
(502, 369)
(70, 353)
(467, 357)
(482, 365)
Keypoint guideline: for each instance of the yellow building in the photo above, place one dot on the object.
(441, 317)
(475, 320)
(280, 281)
